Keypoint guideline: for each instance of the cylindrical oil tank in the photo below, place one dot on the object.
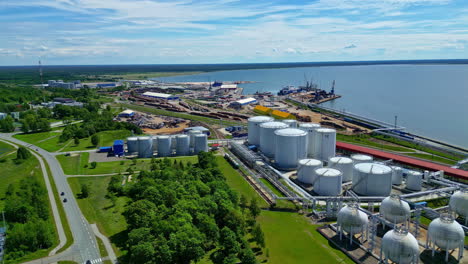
(328, 182)
(397, 175)
(351, 219)
(372, 179)
(182, 145)
(459, 202)
(254, 128)
(446, 233)
(310, 128)
(343, 164)
(306, 170)
(414, 180)
(145, 147)
(132, 145)
(291, 146)
(192, 134)
(201, 143)
(164, 146)
(267, 137)
(155, 143)
(328, 143)
(361, 158)
(394, 209)
(290, 122)
(399, 246)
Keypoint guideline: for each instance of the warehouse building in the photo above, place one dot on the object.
(239, 103)
(127, 113)
(161, 96)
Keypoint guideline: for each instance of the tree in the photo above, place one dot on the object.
(76, 141)
(254, 208)
(84, 191)
(258, 235)
(22, 153)
(93, 165)
(243, 202)
(7, 124)
(95, 140)
(247, 256)
(228, 241)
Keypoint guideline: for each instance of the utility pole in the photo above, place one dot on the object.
(396, 118)
(40, 73)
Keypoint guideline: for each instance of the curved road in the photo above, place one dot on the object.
(84, 247)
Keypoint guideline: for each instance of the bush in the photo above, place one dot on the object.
(22, 153)
(93, 165)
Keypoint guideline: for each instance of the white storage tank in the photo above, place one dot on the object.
(164, 146)
(414, 180)
(155, 143)
(201, 143)
(446, 233)
(192, 134)
(328, 182)
(351, 219)
(310, 128)
(267, 137)
(132, 145)
(372, 179)
(254, 128)
(394, 209)
(291, 146)
(145, 147)
(182, 145)
(327, 137)
(459, 203)
(343, 164)
(361, 158)
(306, 170)
(397, 175)
(399, 246)
(290, 122)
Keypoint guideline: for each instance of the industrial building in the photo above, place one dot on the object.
(127, 113)
(161, 96)
(3, 116)
(64, 85)
(239, 103)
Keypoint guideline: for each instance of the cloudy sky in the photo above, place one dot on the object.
(229, 31)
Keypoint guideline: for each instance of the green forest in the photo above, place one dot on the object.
(180, 213)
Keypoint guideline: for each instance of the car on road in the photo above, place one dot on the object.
(65, 200)
(62, 194)
(88, 262)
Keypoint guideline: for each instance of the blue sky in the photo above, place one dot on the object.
(229, 31)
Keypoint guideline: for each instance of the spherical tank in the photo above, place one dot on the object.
(254, 128)
(394, 209)
(164, 146)
(290, 122)
(397, 175)
(310, 128)
(267, 137)
(446, 233)
(291, 146)
(328, 182)
(192, 134)
(400, 246)
(343, 164)
(306, 170)
(372, 179)
(182, 145)
(328, 143)
(361, 158)
(201, 143)
(414, 180)
(351, 219)
(459, 202)
(145, 147)
(132, 145)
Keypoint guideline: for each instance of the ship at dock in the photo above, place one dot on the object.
(310, 92)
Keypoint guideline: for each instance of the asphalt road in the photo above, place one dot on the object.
(85, 246)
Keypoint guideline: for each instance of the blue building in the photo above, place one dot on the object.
(127, 113)
(118, 147)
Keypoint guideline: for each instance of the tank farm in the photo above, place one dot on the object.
(382, 208)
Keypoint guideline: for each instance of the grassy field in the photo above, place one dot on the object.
(106, 138)
(46, 140)
(290, 238)
(432, 158)
(12, 173)
(100, 210)
(365, 140)
(180, 115)
(75, 164)
(5, 148)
